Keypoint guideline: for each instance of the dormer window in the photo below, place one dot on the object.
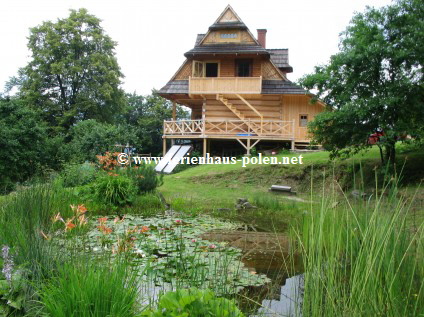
(228, 35)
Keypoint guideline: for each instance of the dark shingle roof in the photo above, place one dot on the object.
(228, 25)
(227, 49)
(280, 57)
(199, 38)
(278, 87)
(282, 87)
(175, 87)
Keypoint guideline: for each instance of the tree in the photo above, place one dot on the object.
(146, 115)
(73, 74)
(375, 82)
(22, 143)
(89, 138)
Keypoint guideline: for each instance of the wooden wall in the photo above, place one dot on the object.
(228, 69)
(242, 37)
(272, 107)
(295, 105)
(268, 106)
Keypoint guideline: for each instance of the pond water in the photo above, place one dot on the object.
(283, 296)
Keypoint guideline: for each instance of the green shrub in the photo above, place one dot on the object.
(91, 289)
(193, 302)
(113, 190)
(145, 177)
(78, 174)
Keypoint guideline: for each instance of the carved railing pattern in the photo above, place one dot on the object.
(277, 128)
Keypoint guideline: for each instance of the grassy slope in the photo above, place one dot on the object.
(207, 187)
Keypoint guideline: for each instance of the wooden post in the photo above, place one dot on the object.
(164, 147)
(172, 142)
(205, 142)
(174, 110)
(248, 147)
(292, 145)
(204, 116)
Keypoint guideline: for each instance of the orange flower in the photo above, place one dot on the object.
(69, 225)
(82, 220)
(104, 229)
(144, 229)
(102, 220)
(81, 209)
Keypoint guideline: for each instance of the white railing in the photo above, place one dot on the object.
(276, 128)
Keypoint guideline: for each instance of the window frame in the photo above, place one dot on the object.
(203, 63)
(300, 120)
(236, 63)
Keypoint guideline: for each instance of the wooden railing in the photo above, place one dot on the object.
(272, 128)
(225, 85)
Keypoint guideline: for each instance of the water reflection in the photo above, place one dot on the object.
(289, 302)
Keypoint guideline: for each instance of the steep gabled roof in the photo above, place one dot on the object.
(229, 19)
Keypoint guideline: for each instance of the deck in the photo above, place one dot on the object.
(229, 129)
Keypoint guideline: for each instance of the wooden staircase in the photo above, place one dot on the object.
(240, 115)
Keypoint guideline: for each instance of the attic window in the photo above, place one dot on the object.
(229, 35)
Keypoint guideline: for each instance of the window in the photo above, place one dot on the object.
(244, 67)
(303, 120)
(205, 69)
(211, 70)
(197, 69)
(229, 35)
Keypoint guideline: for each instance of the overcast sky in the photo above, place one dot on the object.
(153, 35)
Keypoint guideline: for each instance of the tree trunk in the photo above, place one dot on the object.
(381, 154)
(391, 152)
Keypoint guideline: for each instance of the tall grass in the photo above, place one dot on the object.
(91, 289)
(24, 215)
(362, 259)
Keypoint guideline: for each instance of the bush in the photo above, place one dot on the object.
(144, 176)
(111, 190)
(91, 290)
(78, 174)
(194, 302)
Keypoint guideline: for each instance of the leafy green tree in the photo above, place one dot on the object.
(22, 143)
(375, 82)
(146, 115)
(89, 138)
(73, 74)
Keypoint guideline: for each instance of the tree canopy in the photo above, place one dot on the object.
(22, 143)
(73, 74)
(375, 82)
(145, 116)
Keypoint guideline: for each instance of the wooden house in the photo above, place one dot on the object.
(237, 90)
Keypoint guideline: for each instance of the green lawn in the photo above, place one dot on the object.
(207, 187)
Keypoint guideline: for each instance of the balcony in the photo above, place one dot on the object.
(230, 128)
(225, 85)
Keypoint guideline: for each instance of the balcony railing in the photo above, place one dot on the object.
(271, 128)
(225, 85)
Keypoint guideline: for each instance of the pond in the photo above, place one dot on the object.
(178, 251)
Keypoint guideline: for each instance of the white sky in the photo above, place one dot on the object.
(153, 35)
